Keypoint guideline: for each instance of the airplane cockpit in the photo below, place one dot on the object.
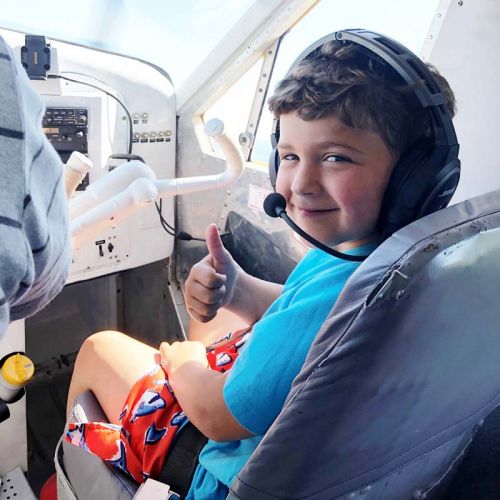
(159, 113)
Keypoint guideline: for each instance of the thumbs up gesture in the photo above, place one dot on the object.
(211, 282)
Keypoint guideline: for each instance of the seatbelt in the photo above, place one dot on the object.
(182, 459)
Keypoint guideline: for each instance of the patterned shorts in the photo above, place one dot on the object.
(150, 418)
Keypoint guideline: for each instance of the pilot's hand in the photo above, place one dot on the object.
(211, 282)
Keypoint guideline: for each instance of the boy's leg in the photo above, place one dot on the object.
(109, 363)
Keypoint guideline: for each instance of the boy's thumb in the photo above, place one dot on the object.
(216, 248)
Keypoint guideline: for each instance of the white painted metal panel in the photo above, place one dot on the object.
(465, 51)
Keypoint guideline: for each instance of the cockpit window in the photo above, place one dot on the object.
(234, 105)
(176, 36)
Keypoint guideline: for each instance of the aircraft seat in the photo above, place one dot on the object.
(399, 378)
(82, 475)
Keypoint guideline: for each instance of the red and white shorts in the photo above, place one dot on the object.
(150, 418)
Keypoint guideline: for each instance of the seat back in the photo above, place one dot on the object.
(402, 372)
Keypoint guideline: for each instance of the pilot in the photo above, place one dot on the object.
(345, 120)
(35, 246)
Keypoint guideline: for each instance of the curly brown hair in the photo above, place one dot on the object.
(347, 81)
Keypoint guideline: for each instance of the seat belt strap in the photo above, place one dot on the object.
(181, 462)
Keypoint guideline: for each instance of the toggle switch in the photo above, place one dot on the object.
(100, 243)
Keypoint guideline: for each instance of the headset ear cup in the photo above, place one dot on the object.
(422, 182)
(274, 163)
(398, 208)
(445, 187)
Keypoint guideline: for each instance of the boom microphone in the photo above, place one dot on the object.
(275, 206)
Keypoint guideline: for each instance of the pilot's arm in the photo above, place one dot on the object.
(34, 240)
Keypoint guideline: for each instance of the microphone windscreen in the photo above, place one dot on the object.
(274, 204)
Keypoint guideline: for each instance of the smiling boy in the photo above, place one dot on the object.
(333, 178)
(345, 120)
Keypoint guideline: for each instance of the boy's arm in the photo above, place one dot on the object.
(200, 391)
(252, 297)
(249, 306)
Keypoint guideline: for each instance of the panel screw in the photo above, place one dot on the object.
(245, 138)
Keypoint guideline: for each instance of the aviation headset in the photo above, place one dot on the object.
(426, 176)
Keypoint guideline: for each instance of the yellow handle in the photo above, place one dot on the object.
(17, 370)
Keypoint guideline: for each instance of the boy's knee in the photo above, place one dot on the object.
(99, 342)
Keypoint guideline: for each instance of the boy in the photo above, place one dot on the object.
(344, 123)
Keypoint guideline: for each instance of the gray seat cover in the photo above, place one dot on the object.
(402, 372)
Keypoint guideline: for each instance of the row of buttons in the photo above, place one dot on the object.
(65, 116)
(162, 136)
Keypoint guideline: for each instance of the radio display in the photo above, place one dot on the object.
(51, 130)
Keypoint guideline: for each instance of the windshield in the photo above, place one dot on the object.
(166, 33)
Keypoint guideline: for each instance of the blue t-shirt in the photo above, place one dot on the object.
(260, 379)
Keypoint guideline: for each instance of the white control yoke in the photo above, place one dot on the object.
(113, 197)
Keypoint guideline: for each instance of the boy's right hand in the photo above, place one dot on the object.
(211, 282)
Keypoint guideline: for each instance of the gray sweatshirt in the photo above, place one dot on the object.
(34, 240)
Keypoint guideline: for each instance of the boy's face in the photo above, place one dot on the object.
(333, 178)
